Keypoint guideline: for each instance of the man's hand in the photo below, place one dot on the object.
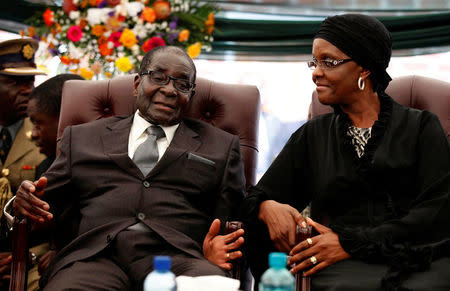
(220, 249)
(5, 269)
(281, 220)
(28, 204)
(325, 248)
(45, 261)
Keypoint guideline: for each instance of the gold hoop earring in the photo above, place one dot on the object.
(361, 83)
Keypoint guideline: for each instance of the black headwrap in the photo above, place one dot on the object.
(364, 39)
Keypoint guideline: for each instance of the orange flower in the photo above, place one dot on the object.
(98, 30)
(128, 38)
(22, 33)
(96, 67)
(48, 17)
(105, 50)
(194, 49)
(184, 35)
(84, 3)
(113, 23)
(93, 2)
(149, 14)
(86, 73)
(209, 23)
(65, 60)
(162, 9)
(75, 61)
(51, 45)
(102, 39)
(108, 74)
(82, 23)
(31, 31)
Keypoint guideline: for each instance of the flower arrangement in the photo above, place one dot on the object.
(109, 37)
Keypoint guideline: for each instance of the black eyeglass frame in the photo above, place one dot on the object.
(326, 64)
(175, 81)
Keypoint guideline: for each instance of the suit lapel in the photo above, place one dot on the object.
(184, 140)
(115, 145)
(21, 145)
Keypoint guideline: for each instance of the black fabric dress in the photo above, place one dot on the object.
(390, 207)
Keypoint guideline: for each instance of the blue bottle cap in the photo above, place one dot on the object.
(161, 263)
(277, 260)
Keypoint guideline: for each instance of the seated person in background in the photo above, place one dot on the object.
(18, 154)
(377, 172)
(43, 111)
(143, 185)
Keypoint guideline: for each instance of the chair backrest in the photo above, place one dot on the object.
(412, 91)
(233, 108)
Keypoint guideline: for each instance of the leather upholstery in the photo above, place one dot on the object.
(412, 91)
(233, 108)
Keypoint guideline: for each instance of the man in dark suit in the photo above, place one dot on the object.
(127, 216)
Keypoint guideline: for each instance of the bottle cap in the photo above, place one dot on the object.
(277, 260)
(161, 263)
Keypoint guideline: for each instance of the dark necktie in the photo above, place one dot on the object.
(146, 155)
(6, 144)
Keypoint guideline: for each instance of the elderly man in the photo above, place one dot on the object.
(18, 154)
(148, 184)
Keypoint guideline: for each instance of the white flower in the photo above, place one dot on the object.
(134, 8)
(120, 48)
(135, 50)
(74, 52)
(75, 2)
(110, 45)
(163, 24)
(97, 15)
(108, 33)
(74, 15)
(140, 31)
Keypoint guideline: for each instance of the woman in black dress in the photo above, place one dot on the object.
(375, 172)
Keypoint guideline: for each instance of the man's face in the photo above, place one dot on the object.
(14, 94)
(44, 131)
(164, 104)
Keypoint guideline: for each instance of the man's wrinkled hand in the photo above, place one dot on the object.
(281, 220)
(5, 269)
(28, 204)
(221, 249)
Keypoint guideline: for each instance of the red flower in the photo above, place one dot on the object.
(114, 37)
(68, 6)
(152, 43)
(48, 17)
(74, 33)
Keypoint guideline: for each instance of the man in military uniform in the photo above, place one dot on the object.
(19, 156)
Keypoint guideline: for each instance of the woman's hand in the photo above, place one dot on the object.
(220, 249)
(281, 220)
(325, 248)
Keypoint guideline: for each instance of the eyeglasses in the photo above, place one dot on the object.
(326, 64)
(159, 78)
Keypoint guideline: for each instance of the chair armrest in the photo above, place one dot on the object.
(231, 226)
(302, 283)
(20, 255)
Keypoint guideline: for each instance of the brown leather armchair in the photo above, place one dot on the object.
(233, 108)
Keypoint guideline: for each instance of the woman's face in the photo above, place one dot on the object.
(335, 85)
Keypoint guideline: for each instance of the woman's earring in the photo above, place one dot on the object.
(361, 83)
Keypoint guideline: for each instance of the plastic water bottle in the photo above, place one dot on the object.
(277, 277)
(161, 278)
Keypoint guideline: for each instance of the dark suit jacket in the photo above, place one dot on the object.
(93, 178)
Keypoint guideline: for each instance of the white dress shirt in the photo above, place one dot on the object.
(138, 135)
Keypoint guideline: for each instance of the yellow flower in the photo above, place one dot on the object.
(128, 38)
(194, 49)
(184, 35)
(123, 64)
(86, 73)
